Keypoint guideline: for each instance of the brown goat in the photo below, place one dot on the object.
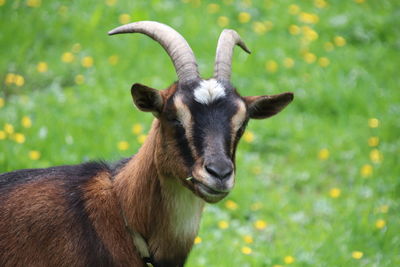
(92, 214)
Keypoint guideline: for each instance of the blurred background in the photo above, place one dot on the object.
(317, 185)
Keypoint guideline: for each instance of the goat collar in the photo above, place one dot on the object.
(139, 242)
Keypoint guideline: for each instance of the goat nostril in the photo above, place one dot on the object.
(220, 171)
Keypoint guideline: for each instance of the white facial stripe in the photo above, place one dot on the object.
(208, 91)
(239, 117)
(185, 117)
(237, 121)
(183, 113)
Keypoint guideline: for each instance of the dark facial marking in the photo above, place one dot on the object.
(213, 120)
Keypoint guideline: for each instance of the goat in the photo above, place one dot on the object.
(144, 210)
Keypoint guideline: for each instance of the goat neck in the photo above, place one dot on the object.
(156, 205)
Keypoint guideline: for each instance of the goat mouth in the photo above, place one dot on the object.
(207, 193)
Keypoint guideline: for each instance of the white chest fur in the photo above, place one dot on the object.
(184, 211)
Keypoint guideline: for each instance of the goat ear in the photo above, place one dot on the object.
(261, 107)
(147, 99)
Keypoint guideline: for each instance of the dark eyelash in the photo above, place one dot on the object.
(241, 130)
(175, 122)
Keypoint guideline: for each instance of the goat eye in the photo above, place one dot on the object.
(175, 122)
(241, 131)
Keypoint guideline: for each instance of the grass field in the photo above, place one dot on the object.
(317, 185)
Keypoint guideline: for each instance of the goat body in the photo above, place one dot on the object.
(71, 215)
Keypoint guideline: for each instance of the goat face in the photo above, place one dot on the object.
(201, 120)
(201, 124)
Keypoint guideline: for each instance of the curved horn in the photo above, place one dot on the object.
(223, 58)
(174, 44)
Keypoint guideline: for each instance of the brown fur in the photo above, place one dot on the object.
(104, 212)
(26, 233)
(148, 202)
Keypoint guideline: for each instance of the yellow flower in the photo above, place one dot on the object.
(294, 29)
(2, 135)
(383, 208)
(335, 192)
(111, 2)
(87, 62)
(10, 78)
(137, 128)
(247, 3)
(294, 9)
(19, 80)
(256, 170)
(380, 223)
(277, 265)
(366, 170)
(308, 18)
(8, 128)
(24, 99)
(271, 66)
(248, 136)
(63, 10)
(373, 141)
(33, 3)
(34, 155)
(113, 60)
(229, 204)
(244, 17)
(42, 66)
(123, 145)
(223, 21)
(76, 47)
(197, 240)
(320, 3)
(359, 1)
(310, 57)
(1, 102)
(357, 255)
(289, 259)
(248, 239)
(375, 155)
(223, 224)
(67, 57)
(256, 206)
(288, 62)
(339, 41)
(260, 224)
(309, 34)
(373, 123)
(268, 24)
(79, 79)
(259, 27)
(19, 138)
(26, 122)
(323, 62)
(141, 138)
(124, 18)
(195, 3)
(328, 46)
(246, 250)
(2, 2)
(212, 8)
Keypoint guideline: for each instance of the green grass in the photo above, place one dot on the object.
(280, 169)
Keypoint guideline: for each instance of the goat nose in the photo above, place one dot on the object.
(219, 169)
